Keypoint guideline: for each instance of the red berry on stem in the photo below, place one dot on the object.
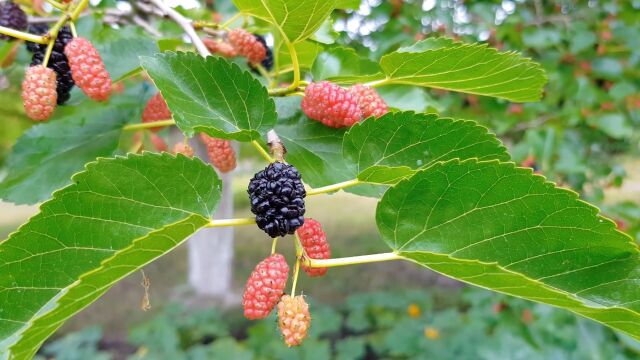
(222, 48)
(265, 287)
(369, 101)
(220, 152)
(331, 104)
(158, 143)
(39, 94)
(314, 242)
(88, 70)
(246, 44)
(156, 110)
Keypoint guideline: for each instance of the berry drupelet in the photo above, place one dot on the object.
(277, 199)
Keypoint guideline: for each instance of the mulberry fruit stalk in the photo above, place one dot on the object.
(156, 110)
(276, 195)
(265, 287)
(220, 152)
(88, 70)
(315, 245)
(331, 104)
(294, 319)
(39, 92)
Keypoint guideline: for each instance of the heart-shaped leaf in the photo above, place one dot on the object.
(500, 227)
(212, 95)
(118, 215)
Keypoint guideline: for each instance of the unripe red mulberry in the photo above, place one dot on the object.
(39, 92)
(220, 152)
(182, 148)
(158, 143)
(247, 45)
(87, 69)
(314, 242)
(331, 104)
(369, 101)
(294, 319)
(221, 48)
(265, 287)
(156, 110)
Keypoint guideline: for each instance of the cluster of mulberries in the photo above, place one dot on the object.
(57, 61)
(337, 107)
(12, 16)
(72, 61)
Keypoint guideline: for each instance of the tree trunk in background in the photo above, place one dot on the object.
(211, 249)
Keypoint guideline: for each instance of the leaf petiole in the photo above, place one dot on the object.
(332, 188)
(23, 35)
(147, 125)
(262, 151)
(351, 260)
(231, 222)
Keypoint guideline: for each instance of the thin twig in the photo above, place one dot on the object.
(185, 24)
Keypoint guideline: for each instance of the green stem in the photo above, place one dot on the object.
(72, 26)
(78, 10)
(23, 35)
(47, 54)
(352, 260)
(231, 222)
(296, 271)
(147, 125)
(377, 83)
(230, 21)
(296, 66)
(262, 151)
(57, 5)
(332, 188)
(274, 244)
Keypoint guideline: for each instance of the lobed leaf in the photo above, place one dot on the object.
(502, 228)
(470, 68)
(212, 95)
(118, 215)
